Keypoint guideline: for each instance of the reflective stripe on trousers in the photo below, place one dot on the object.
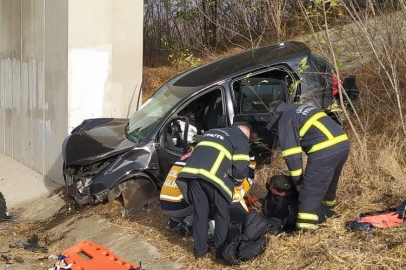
(307, 221)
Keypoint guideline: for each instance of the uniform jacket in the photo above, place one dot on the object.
(307, 128)
(221, 157)
(172, 196)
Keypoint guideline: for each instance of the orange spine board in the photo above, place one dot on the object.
(86, 255)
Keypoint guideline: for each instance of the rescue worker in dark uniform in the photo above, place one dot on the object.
(180, 212)
(307, 128)
(217, 165)
(173, 203)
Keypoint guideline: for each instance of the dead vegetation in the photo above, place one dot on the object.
(371, 44)
(373, 178)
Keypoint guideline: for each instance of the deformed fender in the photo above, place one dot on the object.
(135, 160)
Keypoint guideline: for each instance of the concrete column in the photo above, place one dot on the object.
(62, 61)
(105, 58)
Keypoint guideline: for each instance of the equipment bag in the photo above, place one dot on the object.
(245, 241)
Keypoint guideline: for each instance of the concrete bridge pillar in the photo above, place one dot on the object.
(62, 61)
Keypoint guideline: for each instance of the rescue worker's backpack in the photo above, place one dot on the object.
(245, 241)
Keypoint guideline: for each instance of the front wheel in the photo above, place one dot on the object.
(136, 192)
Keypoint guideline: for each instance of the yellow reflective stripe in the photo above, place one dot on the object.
(306, 226)
(242, 202)
(210, 176)
(329, 203)
(171, 198)
(328, 143)
(217, 163)
(292, 151)
(296, 172)
(323, 129)
(309, 123)
(308, 216)
(241, 157)
(217, 146)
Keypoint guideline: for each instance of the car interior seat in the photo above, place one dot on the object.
(213, 114)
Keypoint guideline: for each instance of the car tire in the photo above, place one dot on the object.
(140, 191)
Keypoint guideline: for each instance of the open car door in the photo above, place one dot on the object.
(253, 97)
(173, 143)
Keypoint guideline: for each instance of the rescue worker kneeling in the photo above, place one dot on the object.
(218, 164)
(180, 212)
(173, 204)
(307, 128)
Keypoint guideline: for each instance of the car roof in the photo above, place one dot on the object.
(208, 74)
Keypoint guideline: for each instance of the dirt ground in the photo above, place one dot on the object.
(143, 238)
(60, 229)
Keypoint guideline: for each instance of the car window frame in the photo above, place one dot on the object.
(168, 147)
(240, 100)
(290, 96)
(186, 102)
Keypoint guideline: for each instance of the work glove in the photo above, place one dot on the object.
(238, 195)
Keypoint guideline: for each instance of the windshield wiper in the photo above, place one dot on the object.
(128, 136)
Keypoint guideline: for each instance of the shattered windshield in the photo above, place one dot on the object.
(150, 114)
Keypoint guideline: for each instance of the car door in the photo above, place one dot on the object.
(173, 143)
(252, 95)
(197, 115)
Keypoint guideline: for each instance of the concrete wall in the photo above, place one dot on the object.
(105, 57)
(62, 62)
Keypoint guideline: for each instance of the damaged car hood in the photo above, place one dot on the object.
(85, 146)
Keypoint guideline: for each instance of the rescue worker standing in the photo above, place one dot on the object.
(218, 163)
(307, 128)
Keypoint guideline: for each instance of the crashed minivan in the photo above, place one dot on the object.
(128, 159)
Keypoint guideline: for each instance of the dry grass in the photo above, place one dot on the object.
(373, 179)
(154, 77)
(378, 187)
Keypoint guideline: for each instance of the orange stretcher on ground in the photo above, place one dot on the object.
(89, 256)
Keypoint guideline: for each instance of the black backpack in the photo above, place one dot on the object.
(247, 240)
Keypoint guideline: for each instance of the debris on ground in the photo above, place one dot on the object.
(53, 257)
(19, 259)
(379, 219)
(61, 264)
(18, 244)
(6, 259)
(30, 245)
(132, 212)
